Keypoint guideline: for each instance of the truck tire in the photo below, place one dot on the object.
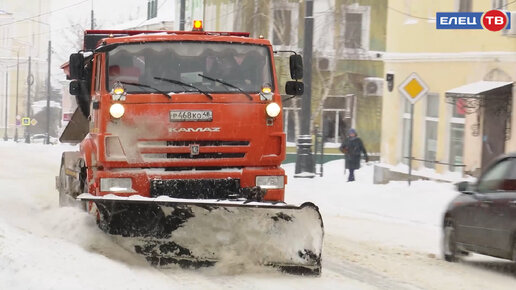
(64, 187)
(66, 197)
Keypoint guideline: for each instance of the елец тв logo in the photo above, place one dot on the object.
(493, 20)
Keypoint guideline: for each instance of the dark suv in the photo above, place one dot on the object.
(482, 219)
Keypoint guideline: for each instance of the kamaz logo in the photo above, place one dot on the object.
(193, 130)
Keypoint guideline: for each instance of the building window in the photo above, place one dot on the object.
(457, 136)
(284, 20)
(152, 9)
(498, 4)
(353, 30)
(406, 131)
(355, 27)
(431, 123)
(336, 118)
(464, 5)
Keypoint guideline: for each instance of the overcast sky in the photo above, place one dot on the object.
(70, 17)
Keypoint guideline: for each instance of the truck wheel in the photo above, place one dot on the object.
(449, 246)
(64, 187)
(65, 191)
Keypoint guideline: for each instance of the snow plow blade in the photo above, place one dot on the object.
(199, 233)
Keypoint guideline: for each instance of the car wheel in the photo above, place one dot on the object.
(449, 241)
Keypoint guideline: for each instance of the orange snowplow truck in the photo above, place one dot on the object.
(182, 131)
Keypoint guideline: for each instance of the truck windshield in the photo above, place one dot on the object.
(247, 67)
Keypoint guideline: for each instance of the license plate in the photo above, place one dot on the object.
(191, 115)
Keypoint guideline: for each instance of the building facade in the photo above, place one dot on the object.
(349, 42)
(24, 33)
(448, 131)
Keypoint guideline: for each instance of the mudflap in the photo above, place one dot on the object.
(201, 233)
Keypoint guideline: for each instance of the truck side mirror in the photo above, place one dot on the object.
(82, 97)
(75, 88)
(294, 88)
(296, 67)
(76, 65)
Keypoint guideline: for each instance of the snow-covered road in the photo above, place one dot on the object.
(376, 237)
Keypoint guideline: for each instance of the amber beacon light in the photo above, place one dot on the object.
(197, 25)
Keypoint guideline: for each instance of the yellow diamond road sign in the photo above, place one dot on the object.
(25, 121)
(413, 88)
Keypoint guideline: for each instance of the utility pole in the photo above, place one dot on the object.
(92, 17)
(29, 83)
(6, 104)
(305, 166)
(47, 139)
(182, 16)
(17, 80)
(92, 20)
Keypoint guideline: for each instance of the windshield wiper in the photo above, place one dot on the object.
(147, 86)
(184, 84)
(226, 84)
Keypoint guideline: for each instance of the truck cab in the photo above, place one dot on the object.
(193, 115)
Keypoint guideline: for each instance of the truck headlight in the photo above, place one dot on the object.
(117, 110)
(116, 184)
(270, 182)
(273, 110)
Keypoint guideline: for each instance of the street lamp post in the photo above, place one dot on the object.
(30, 80)
(17, 84)
(17, 81)
(15, 137)
(47, 140)
(305, 166)
(6, 104)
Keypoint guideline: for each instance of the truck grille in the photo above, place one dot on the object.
(205, 155)
(208, 143)
(196, 188)
(207, 149)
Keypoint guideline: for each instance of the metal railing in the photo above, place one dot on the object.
(435, 161)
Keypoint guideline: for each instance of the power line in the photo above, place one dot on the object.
(507, 4)
(45, 13)
(408, 14)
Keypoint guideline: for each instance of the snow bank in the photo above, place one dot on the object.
(376, 236)
(43, 246)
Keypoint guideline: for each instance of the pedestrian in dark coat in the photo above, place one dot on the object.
(353, 147)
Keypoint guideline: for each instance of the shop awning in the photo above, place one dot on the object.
(473, 96)
(478, 89)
